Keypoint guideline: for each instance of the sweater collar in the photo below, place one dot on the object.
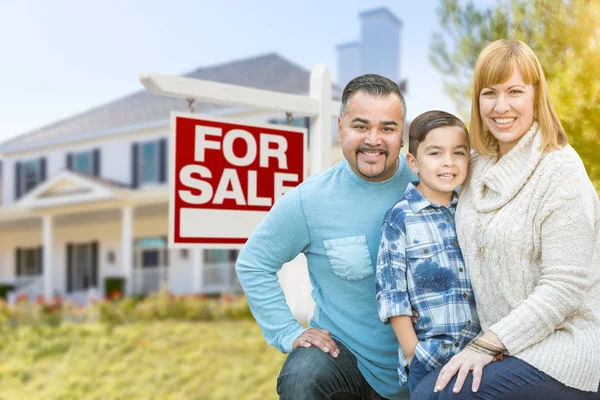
(496, 182)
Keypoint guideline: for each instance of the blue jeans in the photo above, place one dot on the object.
(309, 373)
(416, 372)
(508, 379)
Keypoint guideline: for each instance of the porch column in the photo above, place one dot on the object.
(127, 247)
(47, 255)
(197, 265)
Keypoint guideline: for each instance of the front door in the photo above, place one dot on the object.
(82, 271)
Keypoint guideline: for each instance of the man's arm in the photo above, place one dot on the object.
(279, 238)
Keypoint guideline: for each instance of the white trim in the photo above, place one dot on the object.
(96, 191)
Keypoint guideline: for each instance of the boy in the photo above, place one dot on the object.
(419, 264)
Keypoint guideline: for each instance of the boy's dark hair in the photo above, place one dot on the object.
(424, 123)
(374, 85)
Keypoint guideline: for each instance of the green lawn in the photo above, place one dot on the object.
(153, 360)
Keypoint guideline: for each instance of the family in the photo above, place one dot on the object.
(469, 268)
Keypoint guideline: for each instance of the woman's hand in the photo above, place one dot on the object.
(465, 361)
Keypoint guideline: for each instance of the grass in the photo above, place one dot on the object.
(142, 360)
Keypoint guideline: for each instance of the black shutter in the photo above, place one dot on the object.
(94, 264)
(96, 160)
(69, 160)
(40, 251)
(42, 169)
(134, 165)
(18, 253)
(162, 160)
(18, 179)
(69, 267)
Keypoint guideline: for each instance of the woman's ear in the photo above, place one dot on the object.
(412, 163)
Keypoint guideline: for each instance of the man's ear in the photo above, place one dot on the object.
(412, 163)
(339, 134)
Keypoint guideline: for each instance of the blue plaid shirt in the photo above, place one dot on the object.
(420, 266)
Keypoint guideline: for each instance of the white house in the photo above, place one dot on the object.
(85, 198)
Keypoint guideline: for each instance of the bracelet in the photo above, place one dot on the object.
(486, 347)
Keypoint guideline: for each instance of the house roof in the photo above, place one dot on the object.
(268, 72)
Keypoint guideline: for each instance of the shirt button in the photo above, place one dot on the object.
(456, 344)
(448, 219)
(461, 269)
(426, 251)
(455, 244)
(465, 295)
(469, 322)
(480, 251)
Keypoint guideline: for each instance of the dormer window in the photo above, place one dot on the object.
(86, 162)
(29, 174)
(149, 162)
(83, 162)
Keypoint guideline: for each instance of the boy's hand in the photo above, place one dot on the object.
(415, 317)
(320, 338)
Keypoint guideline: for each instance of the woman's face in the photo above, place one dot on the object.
(506, 110)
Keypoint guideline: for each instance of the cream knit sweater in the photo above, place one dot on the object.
(529, 229)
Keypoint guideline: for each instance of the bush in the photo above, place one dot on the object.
(113, 285)
(5, 288)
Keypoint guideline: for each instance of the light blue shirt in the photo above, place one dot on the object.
(334, 218)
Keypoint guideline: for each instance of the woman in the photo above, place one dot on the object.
(528, 223)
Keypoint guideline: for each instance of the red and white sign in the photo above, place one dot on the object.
(225, 176)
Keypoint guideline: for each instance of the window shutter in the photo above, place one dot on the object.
(18, 261)
(40, 259)
(162, 157)
(42, 169)
(69, 161)
(96, 161)
(69, 267)
(94, 264)
(134, 165)
(18, 178)
(166, 252)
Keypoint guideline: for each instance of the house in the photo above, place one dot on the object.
(86, 198)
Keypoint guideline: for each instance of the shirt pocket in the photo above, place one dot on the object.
(429, 266)
(349, 257)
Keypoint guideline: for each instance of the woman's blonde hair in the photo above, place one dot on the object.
(496, 64)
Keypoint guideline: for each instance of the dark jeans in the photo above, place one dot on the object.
(507, 379)
(416, 373)
(309, 373)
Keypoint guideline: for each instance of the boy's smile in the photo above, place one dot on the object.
(442, 162)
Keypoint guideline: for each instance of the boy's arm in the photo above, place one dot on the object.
(391, 286)
(406, 335)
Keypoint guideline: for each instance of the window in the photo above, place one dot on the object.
(83, 162)
(149, 162)
(31, 264)
(151, 252)
(82, 267)
(31, 175)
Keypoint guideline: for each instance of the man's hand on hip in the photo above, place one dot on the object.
(320, 338)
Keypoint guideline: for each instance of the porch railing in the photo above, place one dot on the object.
(220, 278)
(30, 285)
(148, 280)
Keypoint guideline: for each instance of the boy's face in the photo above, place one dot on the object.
(442, 162)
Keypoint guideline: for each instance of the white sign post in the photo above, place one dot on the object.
(318, 106)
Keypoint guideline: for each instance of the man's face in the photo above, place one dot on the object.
(371, 135)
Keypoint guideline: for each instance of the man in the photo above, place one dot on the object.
(334, 218)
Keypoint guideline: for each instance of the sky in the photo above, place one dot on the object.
(62, 57)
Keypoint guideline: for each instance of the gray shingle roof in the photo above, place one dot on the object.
(269, 72)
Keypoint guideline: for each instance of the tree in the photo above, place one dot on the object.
(564, 34)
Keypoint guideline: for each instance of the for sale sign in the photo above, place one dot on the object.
(226, 175)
